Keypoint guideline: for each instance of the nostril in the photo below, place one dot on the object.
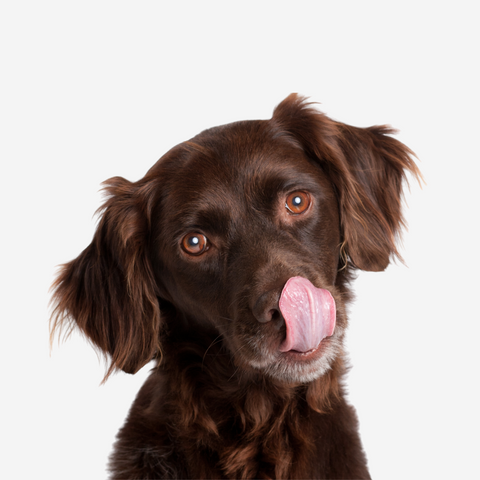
(274, 314)
(266, 308)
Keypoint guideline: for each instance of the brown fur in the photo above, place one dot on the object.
(223, 402)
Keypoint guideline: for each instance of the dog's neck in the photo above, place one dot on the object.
(223, 404)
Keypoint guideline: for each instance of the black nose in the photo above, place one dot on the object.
(266, 307)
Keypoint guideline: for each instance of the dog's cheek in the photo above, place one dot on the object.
(192, 292)
(327, 239)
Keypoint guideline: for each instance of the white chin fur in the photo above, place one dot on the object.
(284, 369)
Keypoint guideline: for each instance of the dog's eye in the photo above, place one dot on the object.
(195, 243)
(297, 202)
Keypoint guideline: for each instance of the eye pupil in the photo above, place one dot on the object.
(193, 241)
(297, 201)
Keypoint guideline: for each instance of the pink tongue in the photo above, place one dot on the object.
(309, 314)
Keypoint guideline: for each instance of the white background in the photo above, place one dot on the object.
(91, 90)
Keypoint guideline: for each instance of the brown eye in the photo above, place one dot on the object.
(195, 243)
(297, 202)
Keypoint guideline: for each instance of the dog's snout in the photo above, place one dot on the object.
(266, 307)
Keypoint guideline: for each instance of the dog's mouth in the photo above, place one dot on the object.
(309, 313)
(297, 343)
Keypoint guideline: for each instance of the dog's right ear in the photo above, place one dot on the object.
(367, 167)
(109, 290)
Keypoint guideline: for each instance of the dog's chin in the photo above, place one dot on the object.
(297, 367)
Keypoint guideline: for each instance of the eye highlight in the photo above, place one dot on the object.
(195, 243)
(297, 203)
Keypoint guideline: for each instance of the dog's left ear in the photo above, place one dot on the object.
(367, 167)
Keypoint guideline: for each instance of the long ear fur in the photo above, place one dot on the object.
(367, 167)
(108, 291)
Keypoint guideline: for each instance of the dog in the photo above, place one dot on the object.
(229, 264)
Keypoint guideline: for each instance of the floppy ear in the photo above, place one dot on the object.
(367, 167)
(109, 290)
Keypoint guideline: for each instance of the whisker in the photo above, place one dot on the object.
(233, 374)
(214, 341)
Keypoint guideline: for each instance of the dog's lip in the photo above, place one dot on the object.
(295, 354)
(303, 354)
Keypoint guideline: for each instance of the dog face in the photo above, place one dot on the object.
(229, 236)
(234, 232)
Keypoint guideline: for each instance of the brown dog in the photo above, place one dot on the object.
(229, 263)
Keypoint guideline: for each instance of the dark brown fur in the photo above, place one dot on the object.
(223, 402)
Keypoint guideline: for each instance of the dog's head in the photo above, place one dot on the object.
(247, 232)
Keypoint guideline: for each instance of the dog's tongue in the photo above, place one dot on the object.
(309, 314)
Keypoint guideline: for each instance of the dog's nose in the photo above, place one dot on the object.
(266, 307)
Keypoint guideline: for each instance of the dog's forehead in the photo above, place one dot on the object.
(229, 172)
(236, 159)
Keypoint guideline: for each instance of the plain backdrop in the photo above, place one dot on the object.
(91, 90)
